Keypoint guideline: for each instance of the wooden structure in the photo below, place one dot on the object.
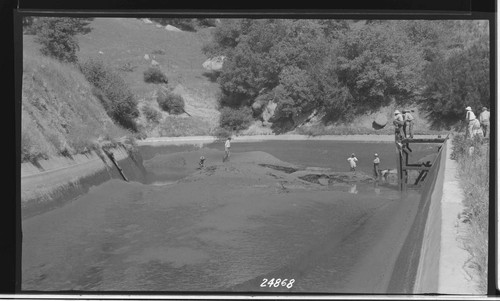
(404, 150)
(112, 158)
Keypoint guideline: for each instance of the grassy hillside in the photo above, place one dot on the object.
(123, 43)
(60, 116)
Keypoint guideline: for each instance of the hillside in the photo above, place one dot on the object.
(60, 116)
(130, 46)
(123, 43)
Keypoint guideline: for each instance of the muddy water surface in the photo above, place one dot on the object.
(220, 233)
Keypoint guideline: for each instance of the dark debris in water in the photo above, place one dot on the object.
(280, 168)
(335, 178)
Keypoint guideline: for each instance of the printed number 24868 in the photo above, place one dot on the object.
(277, 282)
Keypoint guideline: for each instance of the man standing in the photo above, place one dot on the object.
(408, 127)
(484, 119)
(376, 168)
(469, 119)
(227, 147)
(352, 161)
(398, 124)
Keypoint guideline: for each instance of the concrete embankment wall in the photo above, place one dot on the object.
(50, 183)
(427, 278)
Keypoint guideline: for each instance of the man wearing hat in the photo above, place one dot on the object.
(376, 163)
(470, 118)
(484, 119)
(352, 161)
(398, 123)
(227, 150)
(408, 126)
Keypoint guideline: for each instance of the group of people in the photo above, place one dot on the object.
(477, 127)
(403, 123)
(376, 164)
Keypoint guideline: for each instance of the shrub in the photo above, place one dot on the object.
(33, 143)
(222, 133)
(155, 75)
(151, 114)
(235, 119)
(32, 147)
(461, 145)
(171, 102)
(57, 36)
(113, 92)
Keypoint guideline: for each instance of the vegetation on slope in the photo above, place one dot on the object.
(344, 68)
(60, 115)
(473, 172)
(129, 46)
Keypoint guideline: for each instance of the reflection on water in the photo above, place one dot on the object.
(353, 189)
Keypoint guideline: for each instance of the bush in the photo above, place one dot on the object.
(113, 92)
(155, 75)
(222, 134)
(171, 102)
(32, 147)
(235, 119)
(33, 144)
(58, 36)
(151, 114)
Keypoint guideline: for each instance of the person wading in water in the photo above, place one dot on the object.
(227, 150)
(352, 161)
(376, 166)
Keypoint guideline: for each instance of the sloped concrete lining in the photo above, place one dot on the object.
(61, 179)
(442, 261)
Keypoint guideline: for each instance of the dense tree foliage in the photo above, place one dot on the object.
(344, 68)
(58, 35)
(458, 80)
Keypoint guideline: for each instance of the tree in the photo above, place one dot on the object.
(58, 36)
(456, 81)
(379, 63)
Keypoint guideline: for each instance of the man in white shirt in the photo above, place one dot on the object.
(408, 127)
(398, 124)
(484, 119)
(376, 166)
(227, 148)
(470, 118)
(352, 161)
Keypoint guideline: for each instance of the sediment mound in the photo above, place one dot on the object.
(335, 178)
(252, 167)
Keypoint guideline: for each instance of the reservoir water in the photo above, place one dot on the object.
(229, 231)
